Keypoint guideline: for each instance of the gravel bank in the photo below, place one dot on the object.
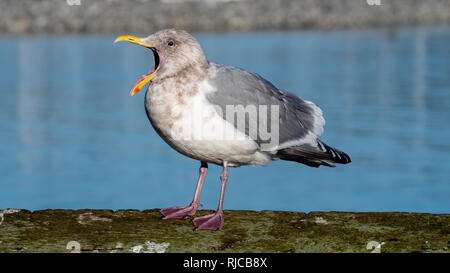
(145, 16)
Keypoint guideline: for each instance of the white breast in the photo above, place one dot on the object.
(192, 126)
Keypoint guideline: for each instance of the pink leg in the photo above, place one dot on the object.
(214, 221)
(184, 212)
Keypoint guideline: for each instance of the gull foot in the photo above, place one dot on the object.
(179, 212)
(211, 221)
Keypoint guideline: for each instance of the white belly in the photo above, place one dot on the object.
(193, 127)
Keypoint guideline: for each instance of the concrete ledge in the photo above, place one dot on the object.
(244, 231)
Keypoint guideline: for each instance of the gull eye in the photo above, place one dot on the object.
(170, 43)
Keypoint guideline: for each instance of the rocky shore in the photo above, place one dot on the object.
(144, 16)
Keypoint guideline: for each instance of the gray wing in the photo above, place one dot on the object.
(300, 121)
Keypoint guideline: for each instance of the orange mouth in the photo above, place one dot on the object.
(144, 79)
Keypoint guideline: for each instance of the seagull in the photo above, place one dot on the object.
(224, 115)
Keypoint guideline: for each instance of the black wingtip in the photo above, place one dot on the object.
(336, 155)
(314, 156)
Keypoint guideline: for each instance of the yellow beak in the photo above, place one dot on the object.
(132, 39)
(144, 79)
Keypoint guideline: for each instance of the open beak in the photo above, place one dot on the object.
(144, 79)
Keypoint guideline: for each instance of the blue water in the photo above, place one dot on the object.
(71, 137)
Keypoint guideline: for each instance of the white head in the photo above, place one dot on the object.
(174, 51)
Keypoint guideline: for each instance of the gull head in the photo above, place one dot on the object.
(173, 50)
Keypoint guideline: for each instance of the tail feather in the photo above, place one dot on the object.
(312, 156)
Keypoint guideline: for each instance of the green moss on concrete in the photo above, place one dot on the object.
(244, 231)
